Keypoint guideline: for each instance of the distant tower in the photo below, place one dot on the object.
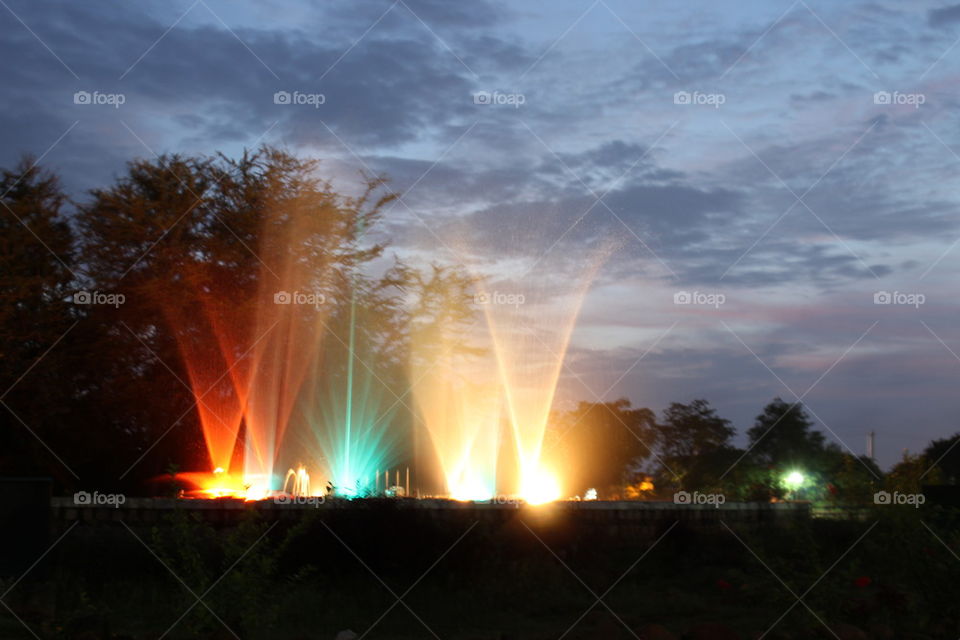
(870, 440)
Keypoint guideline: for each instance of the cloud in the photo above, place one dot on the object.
(692, 198)
(944, 16)
(201, 84)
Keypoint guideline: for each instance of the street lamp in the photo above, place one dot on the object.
(794, 482)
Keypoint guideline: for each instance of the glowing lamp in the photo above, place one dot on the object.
(794, 480)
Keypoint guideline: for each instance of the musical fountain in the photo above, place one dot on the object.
(289, 403)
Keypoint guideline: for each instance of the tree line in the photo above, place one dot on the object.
(176, 245)
(100, 392)
(627, 452)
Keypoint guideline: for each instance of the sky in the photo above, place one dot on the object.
(761, 192)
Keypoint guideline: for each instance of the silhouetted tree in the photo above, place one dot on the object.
(439, 315)
(783, 440)
(188, 246)
(945, 455)
(783, 435)
(694, 446)
(194, 243)
(601, 444)
(850, 480)
(911, 472)
(36, 246)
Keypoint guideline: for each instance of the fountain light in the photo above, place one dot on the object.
(299, 482)
(539, 486)
(469, 489)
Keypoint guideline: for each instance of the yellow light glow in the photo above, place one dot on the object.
(540, 486)
(257, 493)
(470, 492)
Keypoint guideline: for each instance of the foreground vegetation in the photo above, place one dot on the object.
(893, 574)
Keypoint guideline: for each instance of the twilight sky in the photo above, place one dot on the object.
(781, 162)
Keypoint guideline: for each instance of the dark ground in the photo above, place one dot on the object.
(391, 573)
